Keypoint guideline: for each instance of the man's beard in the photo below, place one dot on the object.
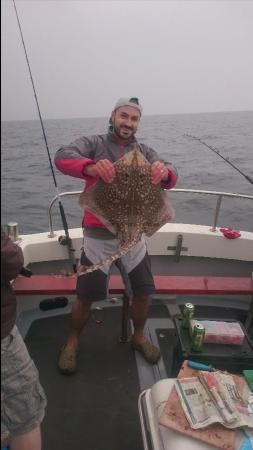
(117, 131)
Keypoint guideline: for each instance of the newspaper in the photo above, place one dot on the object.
(214, 397)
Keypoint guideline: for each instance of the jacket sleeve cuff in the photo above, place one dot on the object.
(86, 163)
(171, 181)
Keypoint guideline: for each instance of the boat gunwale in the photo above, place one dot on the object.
(218, 194)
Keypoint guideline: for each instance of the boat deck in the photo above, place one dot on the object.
(97, 407)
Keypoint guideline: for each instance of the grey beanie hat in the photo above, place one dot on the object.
(126, 101)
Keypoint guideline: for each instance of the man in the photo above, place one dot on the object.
(23, 399)
(92, 158)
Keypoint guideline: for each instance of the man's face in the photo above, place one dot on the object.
(125, 121)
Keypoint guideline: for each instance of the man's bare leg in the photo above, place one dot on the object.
(79, 317)
(27, 441)
(139, 313)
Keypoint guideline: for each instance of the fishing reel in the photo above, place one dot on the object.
(63, 240)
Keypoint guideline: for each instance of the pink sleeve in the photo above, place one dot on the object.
(172, 179)
(73, 167)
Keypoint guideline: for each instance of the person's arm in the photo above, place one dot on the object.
(161, 170)
(74, 158)
(77, 160)
(102, 169)
(171, 177)
(12, 259)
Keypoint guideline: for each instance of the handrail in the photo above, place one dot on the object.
(218, 194)
(142, 420)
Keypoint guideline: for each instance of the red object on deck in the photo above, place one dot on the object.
(196, 285)
(230, 233)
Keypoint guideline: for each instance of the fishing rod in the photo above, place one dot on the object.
(62, 212)
(248, 178)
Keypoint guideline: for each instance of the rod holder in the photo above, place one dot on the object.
(216, 215)
(13, 232)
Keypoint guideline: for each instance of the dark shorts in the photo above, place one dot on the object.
(94, 285)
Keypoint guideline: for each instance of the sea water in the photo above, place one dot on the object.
(28, 187)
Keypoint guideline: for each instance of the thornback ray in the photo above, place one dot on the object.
(129, 206)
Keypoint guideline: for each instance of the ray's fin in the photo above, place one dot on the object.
(86, 201)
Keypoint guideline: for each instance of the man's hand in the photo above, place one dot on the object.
(159, 172)
(103, 169)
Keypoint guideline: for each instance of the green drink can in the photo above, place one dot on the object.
(188, 313)
(198, 337)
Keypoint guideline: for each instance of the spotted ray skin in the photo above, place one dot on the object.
(129, 206)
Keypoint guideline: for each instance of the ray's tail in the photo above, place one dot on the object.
(122, 250)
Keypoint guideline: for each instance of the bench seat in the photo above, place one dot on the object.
(195, 285)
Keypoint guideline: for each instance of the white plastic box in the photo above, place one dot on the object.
(218, 332)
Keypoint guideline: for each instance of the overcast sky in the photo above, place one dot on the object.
(177, 56)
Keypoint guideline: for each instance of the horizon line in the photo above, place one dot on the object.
(145, 115)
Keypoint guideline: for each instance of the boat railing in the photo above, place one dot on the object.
(218, 194)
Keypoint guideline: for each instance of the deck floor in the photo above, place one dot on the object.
(96, 408)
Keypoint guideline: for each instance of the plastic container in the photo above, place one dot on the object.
(234, 358)
(221, 332)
